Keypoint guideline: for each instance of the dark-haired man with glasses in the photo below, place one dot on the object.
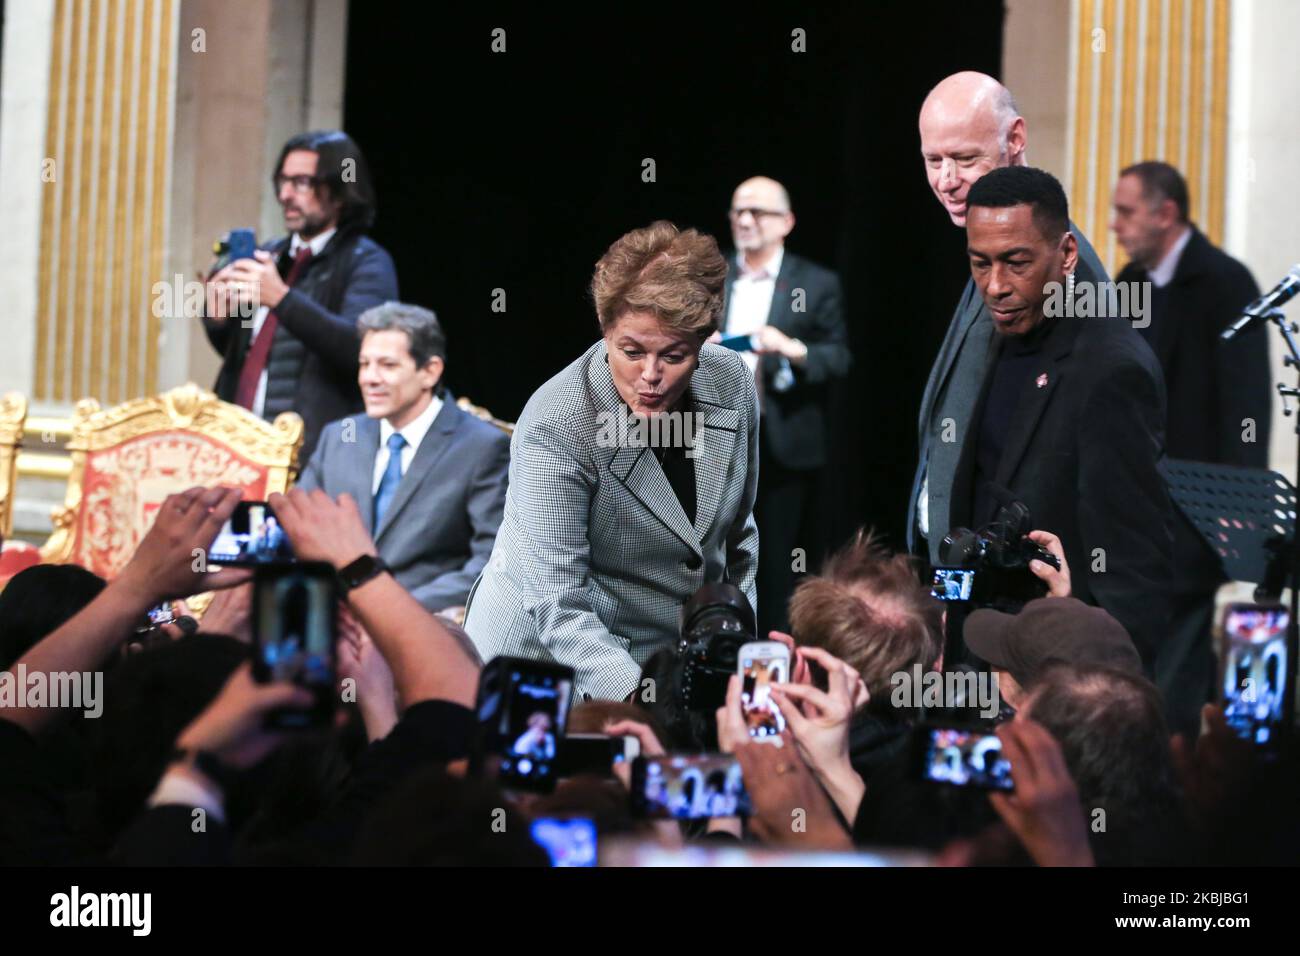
(304, 291)
(791, 310)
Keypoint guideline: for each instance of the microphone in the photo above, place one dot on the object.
(1283, 292)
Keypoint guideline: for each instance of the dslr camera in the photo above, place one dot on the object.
(989, 567)
(716, 621)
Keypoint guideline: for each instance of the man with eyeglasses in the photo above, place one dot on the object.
(296, 347)
(790, 309)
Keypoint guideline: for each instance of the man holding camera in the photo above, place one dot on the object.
(1070, 418)
(303, 292)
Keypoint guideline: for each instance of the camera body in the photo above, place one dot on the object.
(716, 622)
(999, 554)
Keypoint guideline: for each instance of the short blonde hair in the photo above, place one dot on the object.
(678, 275)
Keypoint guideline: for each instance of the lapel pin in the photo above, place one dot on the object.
(1041, 381)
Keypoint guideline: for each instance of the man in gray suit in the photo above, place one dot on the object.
(429, 478)
(969, 124)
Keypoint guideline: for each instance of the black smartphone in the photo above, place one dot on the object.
(688, 787)
(294, 631)
(1254, 671)
(961, 757)
(521, 709)
(953, 584)
(594, 753)
(251, 536)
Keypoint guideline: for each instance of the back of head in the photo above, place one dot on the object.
(39, 600)
(1112, 731)
(437, 819)
(869, 609)
(149, 699)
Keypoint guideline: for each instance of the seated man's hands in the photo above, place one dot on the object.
(322, 529)
(1044, 810)
(171, 560)
(1058, 582)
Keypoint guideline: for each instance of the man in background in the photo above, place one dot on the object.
(791, 308)
(304, 291)
(1219, 395)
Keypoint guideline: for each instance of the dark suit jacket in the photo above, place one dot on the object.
(950, 396)
(1212, 384)
(312, 368)
(1081, 451)
(439, 528)
(794, 421)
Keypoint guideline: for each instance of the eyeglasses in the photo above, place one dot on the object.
(301, 184)
(756, 213)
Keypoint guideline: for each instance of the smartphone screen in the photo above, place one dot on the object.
(592, 753)
(522, 709)
(570, 842)
(737, 343)
(252, 535)
(1255, 671)
(762, 664)
(294, 609)
(962, 757)
(688, 787)
(952, 584)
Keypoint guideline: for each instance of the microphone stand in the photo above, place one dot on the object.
(1288, 331)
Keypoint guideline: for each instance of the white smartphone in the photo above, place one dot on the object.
(762, 664)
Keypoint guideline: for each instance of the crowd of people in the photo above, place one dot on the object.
(1083, 715)
(180, 767)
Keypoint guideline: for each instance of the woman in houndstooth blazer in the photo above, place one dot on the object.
(632, 475)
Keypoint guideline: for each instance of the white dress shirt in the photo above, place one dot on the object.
(1163, 274)
(295, 243)
(750, 300)
(414, 433)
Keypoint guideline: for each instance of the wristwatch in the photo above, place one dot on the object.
(360, 571)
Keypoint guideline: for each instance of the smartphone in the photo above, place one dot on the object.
(953, 584)
(240, 244)
(961, 757)
(737, 343)
(569, 842)
(521, 710)
(294, 630)
(762, 664)
(251, 536)
(594, 753)
(1254, 671)
(688, 787)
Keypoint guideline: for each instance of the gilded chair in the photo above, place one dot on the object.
(464, 404)
(126, 460)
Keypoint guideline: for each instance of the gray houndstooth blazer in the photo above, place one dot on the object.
(595, 555)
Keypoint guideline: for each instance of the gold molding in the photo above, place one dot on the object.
(13, 415)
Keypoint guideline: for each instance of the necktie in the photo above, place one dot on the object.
(260, 350)
(392, 477)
